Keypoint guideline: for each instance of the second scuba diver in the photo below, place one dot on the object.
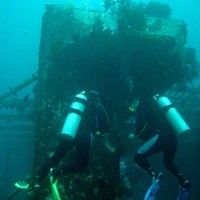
(159, 136)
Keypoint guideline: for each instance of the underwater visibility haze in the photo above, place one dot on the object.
(123, 51)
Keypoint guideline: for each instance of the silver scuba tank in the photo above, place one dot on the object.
(172, 115)
(74, 117)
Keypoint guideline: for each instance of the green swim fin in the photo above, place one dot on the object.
(55, 192)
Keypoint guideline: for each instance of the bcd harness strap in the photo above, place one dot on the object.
(143, 129)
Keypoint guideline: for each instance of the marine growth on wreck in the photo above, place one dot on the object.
(124, 51)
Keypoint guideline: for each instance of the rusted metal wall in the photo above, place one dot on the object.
(83, 50)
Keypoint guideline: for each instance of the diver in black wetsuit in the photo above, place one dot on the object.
(153, 128)
(93, 119)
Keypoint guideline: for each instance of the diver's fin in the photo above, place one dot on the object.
(184, 194)
(54, 189)
(153, 190)
(22, 185)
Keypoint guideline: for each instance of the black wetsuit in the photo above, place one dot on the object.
(82, 142)
(153, 128)
(94, 119)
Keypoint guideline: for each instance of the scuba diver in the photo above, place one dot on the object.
(86, 117)
(157, 124)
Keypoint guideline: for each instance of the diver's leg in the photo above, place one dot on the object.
(83, 147)
(40, 173)
(63, 147)
(152, 146)
(169, 152)
(149, 148)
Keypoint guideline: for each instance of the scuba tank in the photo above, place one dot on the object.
(171, 114)
(74, 117)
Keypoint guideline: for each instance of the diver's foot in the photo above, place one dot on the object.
(154, 188)
(186, 184)
(157, 176)
(184, 193)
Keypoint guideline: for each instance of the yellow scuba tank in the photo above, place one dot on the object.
(74, 116)
(171, 114)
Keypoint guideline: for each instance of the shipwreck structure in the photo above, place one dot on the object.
(122, 53)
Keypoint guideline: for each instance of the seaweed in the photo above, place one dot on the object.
(131, 16)
(157, 9)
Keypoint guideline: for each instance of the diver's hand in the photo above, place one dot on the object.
(131, 136)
